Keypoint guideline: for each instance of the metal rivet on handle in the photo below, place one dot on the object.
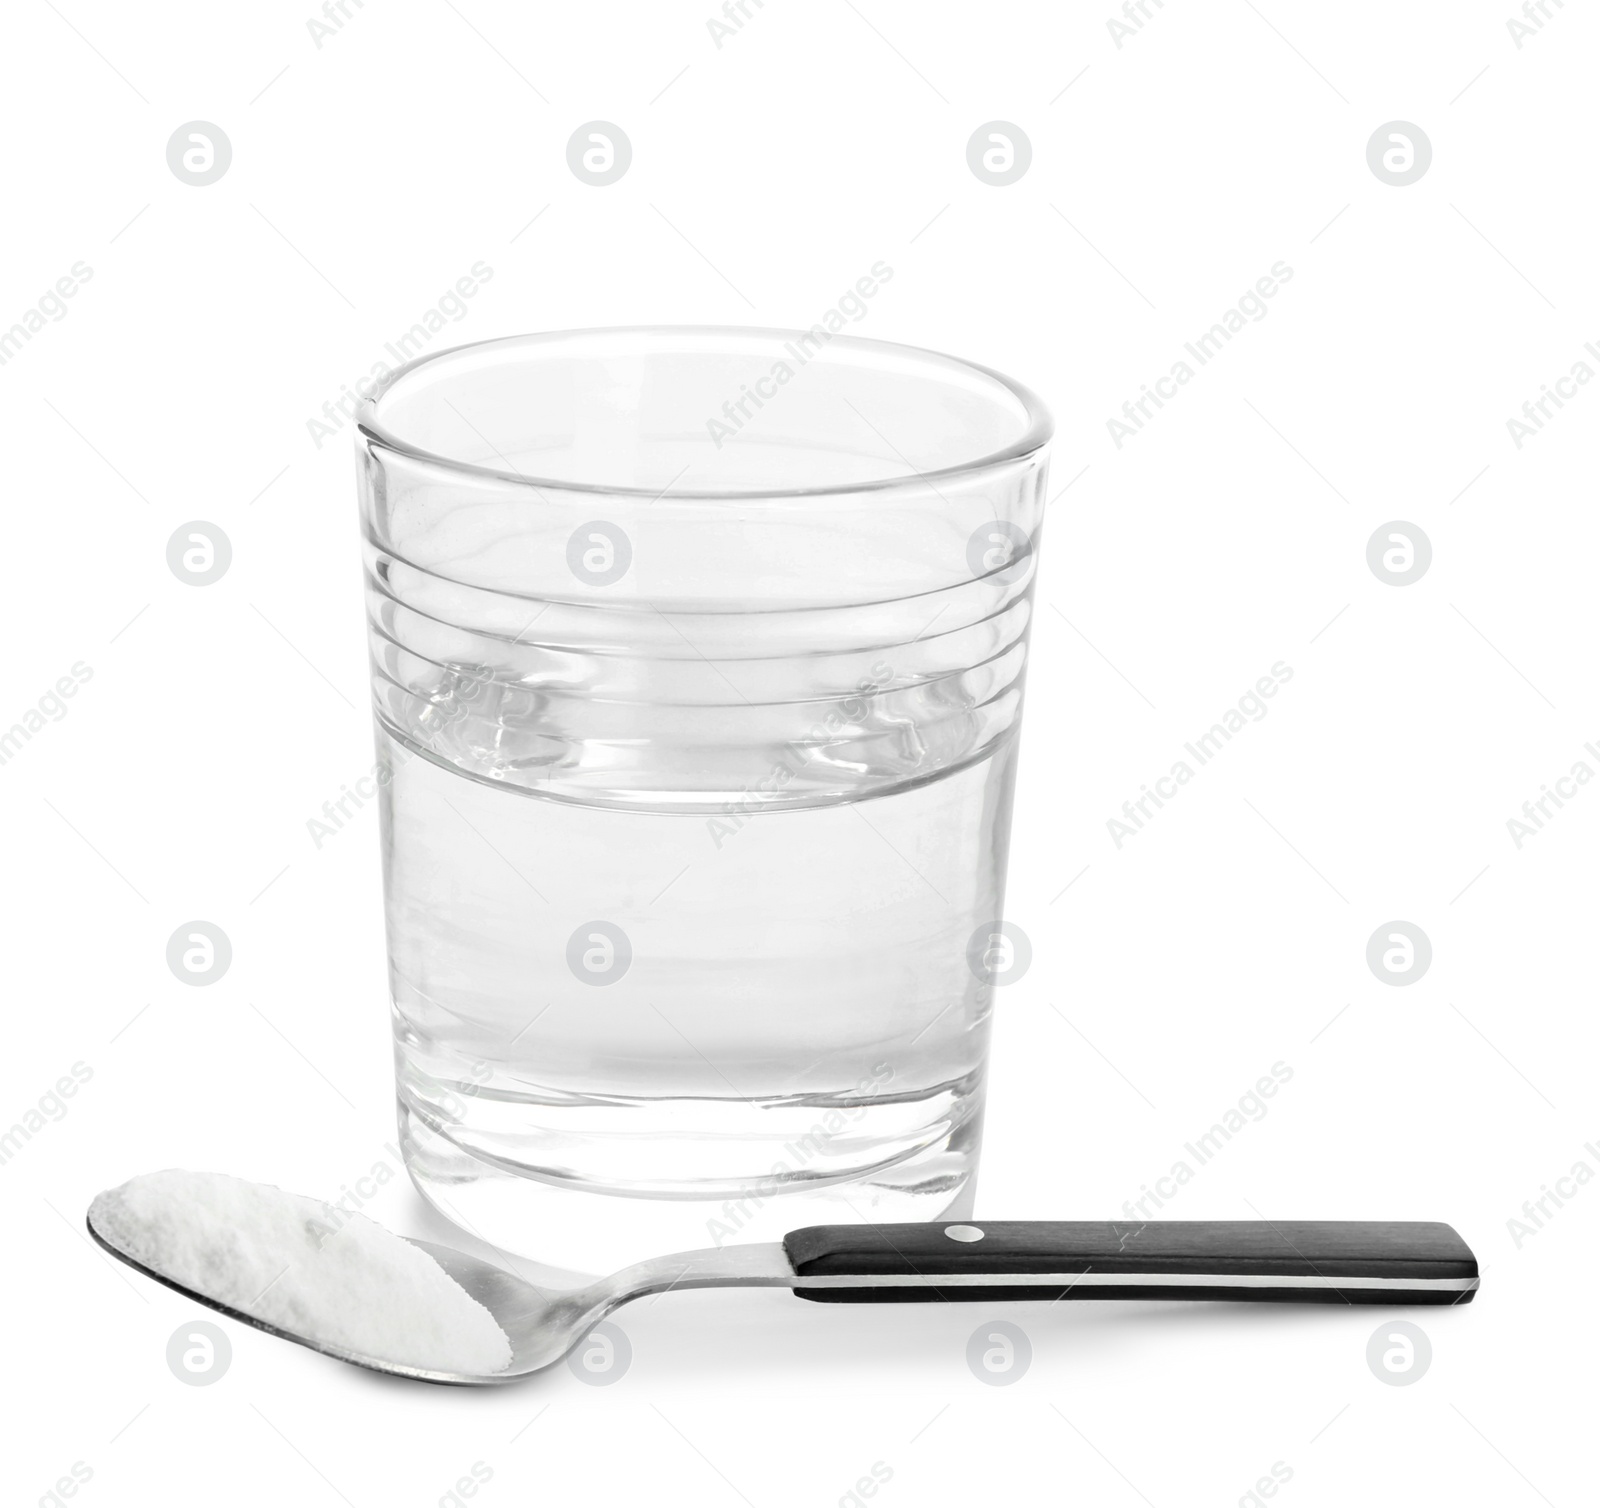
(963, 1233)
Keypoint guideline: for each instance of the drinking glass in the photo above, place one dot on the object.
(697, 665)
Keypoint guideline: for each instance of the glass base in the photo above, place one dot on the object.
(591, 1231)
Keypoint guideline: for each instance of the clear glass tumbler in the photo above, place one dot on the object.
(697, 662)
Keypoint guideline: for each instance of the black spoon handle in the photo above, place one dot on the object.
(1260, 1261)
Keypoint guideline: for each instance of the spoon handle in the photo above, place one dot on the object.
(1287, 1261)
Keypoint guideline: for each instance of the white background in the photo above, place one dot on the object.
(371, 172)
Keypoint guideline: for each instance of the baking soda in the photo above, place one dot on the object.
(324, 1274)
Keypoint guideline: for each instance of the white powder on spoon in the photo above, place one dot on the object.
(303, 1266)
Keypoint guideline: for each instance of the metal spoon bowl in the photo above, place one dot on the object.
(541, 1328)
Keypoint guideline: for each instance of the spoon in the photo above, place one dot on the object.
(998, 1261)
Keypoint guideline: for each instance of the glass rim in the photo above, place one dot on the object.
(1038, 428)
